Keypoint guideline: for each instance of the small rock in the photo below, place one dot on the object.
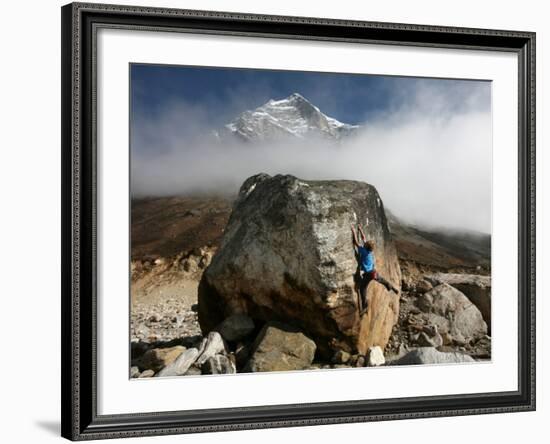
(190, 264)
(430, 330)
(425, 341)
(361, 361)
(158, 358)
(147, 374)
(213, 345)
(459, 340)
(447, 338)
(423, 286)
(218, 365)
(181, 364)
(195, 212)
(205, 260)
(375, 357)
(193, 371)
(155, 318)
(134, 372)
(143, 331)
(341, 357)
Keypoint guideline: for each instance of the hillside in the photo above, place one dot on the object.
(168, 226)
(441, 249)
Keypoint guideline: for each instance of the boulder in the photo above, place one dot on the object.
(193, 371)
(146, 374)
(375, 357)
(280, 347)
(450, 311)
(423, 286)
(430, 341)
(341, 357)
(429, 355)
(218, 365)
(287, 255)
(477, 288)
(236, 327)
(158, 358)
(134, 372)
(181, 364)
(212, 345)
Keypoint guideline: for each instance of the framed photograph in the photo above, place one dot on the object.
(279, 221)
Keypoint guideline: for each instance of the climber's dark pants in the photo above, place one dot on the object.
(364, 281)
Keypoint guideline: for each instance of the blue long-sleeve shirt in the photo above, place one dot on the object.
(366, 259)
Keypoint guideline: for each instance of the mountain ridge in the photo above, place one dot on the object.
(292, 117)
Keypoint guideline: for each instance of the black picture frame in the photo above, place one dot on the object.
(80, 420)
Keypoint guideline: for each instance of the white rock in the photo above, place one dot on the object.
(375, 357)
(214, 345)
(181, 364)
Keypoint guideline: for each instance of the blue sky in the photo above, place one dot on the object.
(226, 92)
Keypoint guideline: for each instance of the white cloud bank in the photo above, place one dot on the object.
(430, 162)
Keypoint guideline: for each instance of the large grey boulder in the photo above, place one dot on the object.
(280, 347)
(477, 288)
(429, 355)
(287, 255)
(451, 312)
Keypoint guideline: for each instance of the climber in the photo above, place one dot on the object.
(367, 268)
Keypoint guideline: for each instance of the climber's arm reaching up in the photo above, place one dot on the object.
(355, 241)
(362, 234)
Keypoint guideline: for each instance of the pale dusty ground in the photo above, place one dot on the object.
(163, 304)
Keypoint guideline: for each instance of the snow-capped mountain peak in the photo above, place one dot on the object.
(293, 116)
